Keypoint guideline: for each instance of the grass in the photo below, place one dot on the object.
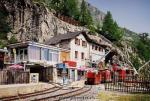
(115, 96)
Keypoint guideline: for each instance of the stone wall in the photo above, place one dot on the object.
(33, 21)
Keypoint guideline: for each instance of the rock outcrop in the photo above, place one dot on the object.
(98, 15)
(33, 21)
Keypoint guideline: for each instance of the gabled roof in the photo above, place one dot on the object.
(70, 35)
(57, 39)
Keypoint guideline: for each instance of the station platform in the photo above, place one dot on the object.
(16, 89)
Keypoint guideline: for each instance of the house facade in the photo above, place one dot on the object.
(83, 50)
(38, 58)
(97, 53)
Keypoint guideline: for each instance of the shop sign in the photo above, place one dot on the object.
(34, 77)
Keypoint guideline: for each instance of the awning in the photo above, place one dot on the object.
(70, 63)
(83, 68)
(60, 65)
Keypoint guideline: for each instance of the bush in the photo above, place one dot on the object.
(12, 40)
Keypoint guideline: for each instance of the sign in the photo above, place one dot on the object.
(34, 77)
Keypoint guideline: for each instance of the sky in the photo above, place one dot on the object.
(131, 14)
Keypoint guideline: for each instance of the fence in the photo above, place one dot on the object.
(68, 20)
(13, 77)
(129, 84)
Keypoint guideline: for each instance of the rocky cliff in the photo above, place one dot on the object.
(32, 21)
(97, 14)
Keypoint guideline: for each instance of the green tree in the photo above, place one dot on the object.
(135, 61)
(57, 5)
(4, 25)
(143, 48)
(12, 40)
(70, 8)
(85, 16)
(110, 28)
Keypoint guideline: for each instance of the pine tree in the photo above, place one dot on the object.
(57, 5)
(4, 25)
(70, 8)
(85, 16)
(110, 28)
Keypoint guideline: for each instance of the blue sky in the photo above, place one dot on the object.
(132, 14)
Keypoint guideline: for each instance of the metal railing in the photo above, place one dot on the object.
(129, 84)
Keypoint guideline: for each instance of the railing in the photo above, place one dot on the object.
(129, 84)
(18, 59)
(68, 20)
(13, 77)
(21, 59)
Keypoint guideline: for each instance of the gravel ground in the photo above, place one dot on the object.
(89, 96)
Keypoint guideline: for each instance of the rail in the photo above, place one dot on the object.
(65, 95)
(129, 84)
(23, 96)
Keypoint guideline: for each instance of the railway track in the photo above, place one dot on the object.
(52, 94)
(65, 95)
(24, 96)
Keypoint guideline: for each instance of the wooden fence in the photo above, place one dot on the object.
(13, 77)
(68, 20)
(130, 84)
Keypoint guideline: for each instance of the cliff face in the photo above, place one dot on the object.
(31, 21)
(98, 16)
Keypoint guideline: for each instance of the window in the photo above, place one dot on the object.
(53, 56)
(76, 54)
(82, 55)
(50, 56)
(92, 46)
(84, 44)
(96, 47)
(100, 49)
(77, 41)
(44, 54)
(35, 52)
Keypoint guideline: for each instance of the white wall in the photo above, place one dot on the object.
(80, 49)
(96, 55)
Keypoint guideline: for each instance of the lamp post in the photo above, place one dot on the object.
(24, 65)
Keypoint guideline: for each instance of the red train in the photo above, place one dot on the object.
(103, 76)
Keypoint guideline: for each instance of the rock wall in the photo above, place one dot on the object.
(98, 15)
(33, 21)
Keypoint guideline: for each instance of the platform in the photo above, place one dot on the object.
(15, 89)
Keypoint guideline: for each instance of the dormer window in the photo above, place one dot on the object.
(84, 44)
(100, 49)
(77, 41)
(96, 47)
(93, 47)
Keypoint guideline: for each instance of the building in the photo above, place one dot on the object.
(37, 58)
(83, 50)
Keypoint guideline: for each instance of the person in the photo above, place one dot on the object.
(100, 65)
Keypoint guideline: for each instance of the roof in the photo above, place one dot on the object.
(3, 50)
(32, 43)
(57, 39)
(70, 35)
